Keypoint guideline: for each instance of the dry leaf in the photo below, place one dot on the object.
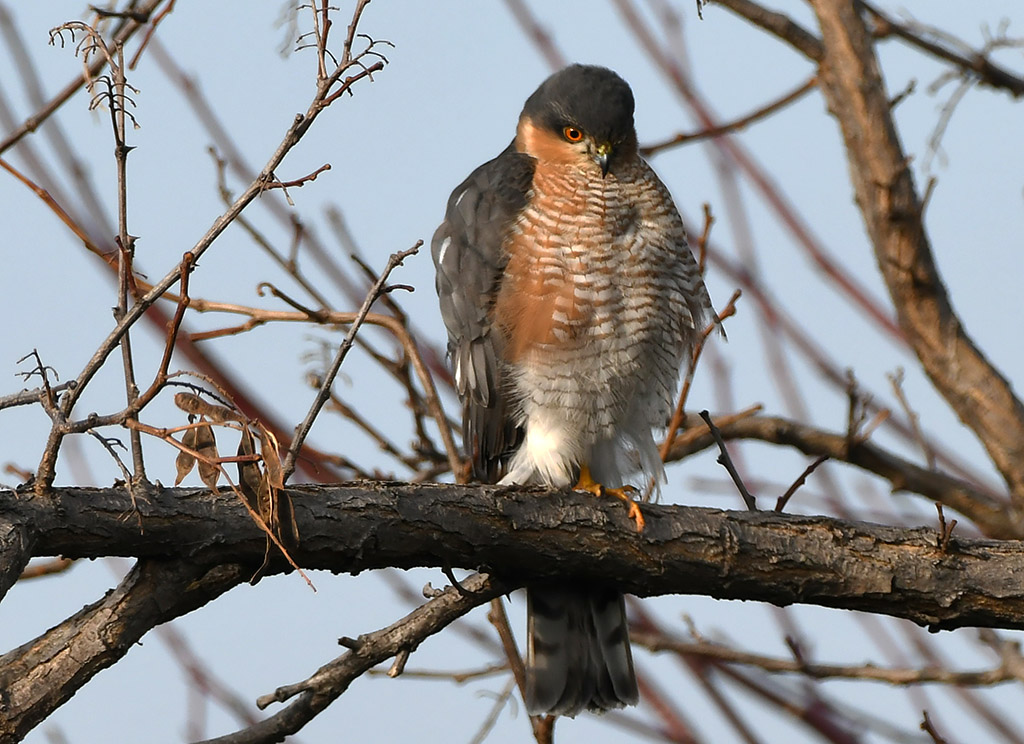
(185, 461)
(249, 474)
(206, 445)
(193, 404)
(271, 458)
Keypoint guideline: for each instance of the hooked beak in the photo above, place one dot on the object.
(603, 157)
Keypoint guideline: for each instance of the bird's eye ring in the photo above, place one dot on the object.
(572, 134)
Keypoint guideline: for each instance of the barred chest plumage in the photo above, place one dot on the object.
(593, 308)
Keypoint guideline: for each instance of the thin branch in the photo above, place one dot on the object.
(727, 463)
(537, 33)
(978, 64)
(679, 413)
(735, 125)
(780, 505)
(929, 728)
(332, 679)
(259, 316)
(777, 24)
(889, 675)
(988, 511)
(380, 287)
(121, 36)
(300, 126)
(57, 209)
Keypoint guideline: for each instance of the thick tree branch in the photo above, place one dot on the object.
(524, 535)
(991, 514)
(852, 84)
(38, 677)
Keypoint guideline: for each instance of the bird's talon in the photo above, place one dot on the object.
(634, 513)
(587, 484)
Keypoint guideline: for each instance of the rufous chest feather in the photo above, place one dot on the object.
(568, 253)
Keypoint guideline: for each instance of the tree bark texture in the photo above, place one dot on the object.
(41, 675)
(523, 535)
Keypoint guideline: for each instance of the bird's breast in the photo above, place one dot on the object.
(586, 270)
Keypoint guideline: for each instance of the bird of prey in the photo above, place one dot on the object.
(571, 300)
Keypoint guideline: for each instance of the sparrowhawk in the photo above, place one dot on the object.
(571, 300)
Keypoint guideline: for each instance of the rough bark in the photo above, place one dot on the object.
(520, 535)
(41, 675)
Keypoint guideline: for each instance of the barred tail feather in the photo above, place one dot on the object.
(578, 656)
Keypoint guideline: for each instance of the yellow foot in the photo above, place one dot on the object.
(626, 493)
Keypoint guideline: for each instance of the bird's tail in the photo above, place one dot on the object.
(578, 656)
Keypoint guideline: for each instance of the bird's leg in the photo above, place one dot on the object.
(587, 483)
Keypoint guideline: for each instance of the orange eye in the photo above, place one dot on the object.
(572, 134)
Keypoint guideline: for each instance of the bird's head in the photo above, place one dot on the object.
(583, 115)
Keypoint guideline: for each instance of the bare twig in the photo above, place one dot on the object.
(736, 124)
(975, 63)
(302, 430)
(537, 33)
(945, 530)
(121, 36)
(259, 316)
(780, 505)
(727, 463)
(987, 510)
(450, 676)
(679, 414)
(870, 672)
(896, 380)
(929, 728)
(332, 679)
(300, 126)
(500, 701)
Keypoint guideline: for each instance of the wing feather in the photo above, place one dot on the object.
(470, 257)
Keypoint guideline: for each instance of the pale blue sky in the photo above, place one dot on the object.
(449, 99)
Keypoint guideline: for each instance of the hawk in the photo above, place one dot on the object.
(571, 300)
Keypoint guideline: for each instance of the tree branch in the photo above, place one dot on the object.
(124, 32)
(977, 64)
(15, 552)
(704, 649)
(332, 679)
(852, 84)
(779, 25)
(526, 535)
(991, 514)
(40, 676)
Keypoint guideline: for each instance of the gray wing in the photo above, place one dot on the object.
(470, 258)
